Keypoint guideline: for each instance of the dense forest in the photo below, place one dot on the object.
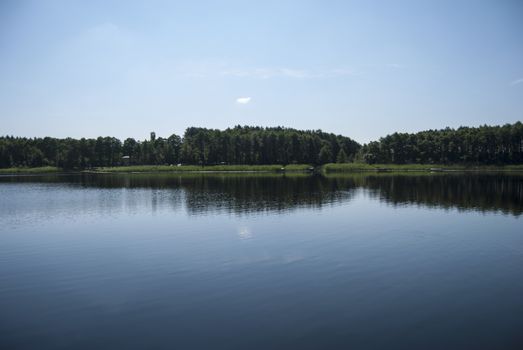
(482, 145)
(258, 145)
(201, 146)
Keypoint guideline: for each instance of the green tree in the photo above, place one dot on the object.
(341, 157)
(325, 155)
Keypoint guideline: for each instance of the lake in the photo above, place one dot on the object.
(261, 261)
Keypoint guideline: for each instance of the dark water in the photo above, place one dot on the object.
(261, 262)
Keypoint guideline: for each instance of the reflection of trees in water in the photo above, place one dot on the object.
(207, 193)
(241, 193)
(483, 192)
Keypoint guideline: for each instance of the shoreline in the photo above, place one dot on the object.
(294, 168)
(433, 168)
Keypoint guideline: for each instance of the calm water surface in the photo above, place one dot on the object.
(261, 262)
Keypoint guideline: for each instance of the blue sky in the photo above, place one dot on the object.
(360, 68)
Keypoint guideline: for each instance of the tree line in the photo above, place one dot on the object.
(278, 145)
(201, 146)
(465, 145)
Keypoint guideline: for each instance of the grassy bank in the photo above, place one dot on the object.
(327, 168)
(209, 168)
(355, 167)
(38, 170)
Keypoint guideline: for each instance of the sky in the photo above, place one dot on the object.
(363, 69)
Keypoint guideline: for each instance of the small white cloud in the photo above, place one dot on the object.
(243, 100)
(517, 81)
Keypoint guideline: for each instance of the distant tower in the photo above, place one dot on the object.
(153, 136)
